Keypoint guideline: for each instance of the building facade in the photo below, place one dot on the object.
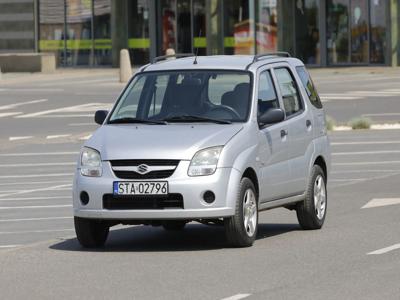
(91, 32)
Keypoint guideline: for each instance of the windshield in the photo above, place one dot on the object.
(185, 96)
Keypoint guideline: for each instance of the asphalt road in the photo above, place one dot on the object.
(44, 120)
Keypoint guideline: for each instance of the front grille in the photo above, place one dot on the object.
(151, 175)
(113, 202)
(149, 162)
(157, 174)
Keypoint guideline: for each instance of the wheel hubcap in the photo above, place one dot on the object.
(249, 212)
(319, 197)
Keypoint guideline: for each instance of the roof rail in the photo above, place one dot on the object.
(177, 55)
(259, 56)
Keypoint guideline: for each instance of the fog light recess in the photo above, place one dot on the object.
(209, 197)
(84, 198)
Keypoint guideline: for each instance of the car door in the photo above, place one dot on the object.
(273, 143)
(299, 120)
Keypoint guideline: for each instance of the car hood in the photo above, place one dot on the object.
(175, 141)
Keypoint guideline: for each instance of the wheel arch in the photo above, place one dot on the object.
(320, 161)
(252, 175)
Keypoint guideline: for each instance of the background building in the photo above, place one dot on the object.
(91, 32)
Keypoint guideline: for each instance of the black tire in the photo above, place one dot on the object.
(235, 231)
(306, 211)
(174, 225)
(91, 233)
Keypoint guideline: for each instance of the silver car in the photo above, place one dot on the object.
(212, 139)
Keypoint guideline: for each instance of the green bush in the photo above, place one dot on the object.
(360, 123)
(330, 123)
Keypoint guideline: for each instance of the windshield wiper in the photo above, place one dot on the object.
(191, 118)
(135, 120)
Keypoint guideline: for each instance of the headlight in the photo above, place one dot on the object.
(90, 163)
(204, 162)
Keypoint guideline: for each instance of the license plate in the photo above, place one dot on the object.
(140, 188)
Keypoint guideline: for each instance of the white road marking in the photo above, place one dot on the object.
(367, 152)
(38, 153)
(52, 188)
(365, 143)
(18, 138)
(57, 136)
(385, 250)
(34, 219)
(38, 198)
(8, 246)
(368, 163)
(10, 114)
(33, 207)
(365, 171)
(78, 82)
(32, 90)
(348, 179)
(86, 137)
(89, 107)
(38, 165)
(12, 106)
(37, 175)
(35, 182)
(382, 114)
(379, 202)
(83, 124)
(341, 97)
(237, 297)
(34, 231)
(384, 126)
(69, 116)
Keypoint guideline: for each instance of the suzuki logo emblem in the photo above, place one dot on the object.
(142, 169)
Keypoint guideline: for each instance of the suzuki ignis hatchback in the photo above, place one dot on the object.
(210, 139)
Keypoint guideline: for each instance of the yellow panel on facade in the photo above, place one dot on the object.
(51, 45)
(199, 42)
(138, 43)
(229, 41)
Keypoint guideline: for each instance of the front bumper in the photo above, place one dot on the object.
(224, 183)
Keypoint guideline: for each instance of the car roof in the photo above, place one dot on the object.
(219, 62)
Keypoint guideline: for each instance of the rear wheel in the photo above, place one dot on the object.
(241, 229)
(174, 225)
(91, 233)
(312, 211)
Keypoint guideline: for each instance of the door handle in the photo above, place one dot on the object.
(308, 123)
(284, 133)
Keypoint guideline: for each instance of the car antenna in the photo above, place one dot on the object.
(197, 52)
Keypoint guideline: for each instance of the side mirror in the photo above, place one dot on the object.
(100, 116)
(271, 116)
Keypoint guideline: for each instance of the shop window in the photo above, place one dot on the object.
(338, 31)
(79, 32)
(102, 32)
(51, 27)
(378, 36)
(359, 31)
(266, 26)
(138, 31)
(307, 31)
(238, 38)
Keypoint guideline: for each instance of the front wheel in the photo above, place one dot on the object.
(91, 233)
(312, 211)
(241, 229)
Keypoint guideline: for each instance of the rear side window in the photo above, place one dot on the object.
(309, 86)
(290, 93)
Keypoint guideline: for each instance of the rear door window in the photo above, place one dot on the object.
(290, 93)
(309, 87)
